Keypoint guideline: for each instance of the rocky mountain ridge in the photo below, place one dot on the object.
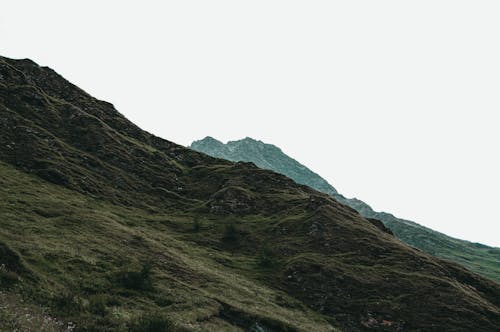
(105, 227)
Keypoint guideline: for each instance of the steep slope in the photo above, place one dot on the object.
(111, 228)
(265, 156)
(477, 257)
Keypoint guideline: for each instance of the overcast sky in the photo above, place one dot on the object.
(394, 102)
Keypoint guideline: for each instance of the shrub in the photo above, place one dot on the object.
(9, 258)
(113, 301)
(7, 278)
(138, 280)
(266, 256)
(97, 305)
(162, 301)
(196, 225)
(231, 233)
(67, 302)
(151, 322)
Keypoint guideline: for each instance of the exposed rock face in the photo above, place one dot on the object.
(479, 258)
(380, 225)
(232, 200)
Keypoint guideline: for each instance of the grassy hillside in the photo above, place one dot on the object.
(479, 258)
(78, 255)
(106, 227)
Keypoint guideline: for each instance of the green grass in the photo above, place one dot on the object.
(103, 265)
(97, 228)
(77, 249)
(478, 258)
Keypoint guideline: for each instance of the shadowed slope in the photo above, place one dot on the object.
(111, 223)
(479, 258)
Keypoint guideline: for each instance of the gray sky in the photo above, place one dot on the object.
(394, 102)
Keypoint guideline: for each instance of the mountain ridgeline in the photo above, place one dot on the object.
(105, 227)
(477, 257)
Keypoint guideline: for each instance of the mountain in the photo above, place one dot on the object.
(105, 227)
(477, 257)
(265, 156)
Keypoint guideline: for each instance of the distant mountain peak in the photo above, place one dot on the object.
(264, 155)
(249, 139)
(208, 140)
(271, 157)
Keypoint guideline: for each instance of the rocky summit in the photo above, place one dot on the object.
(105, 227)
(475, 256)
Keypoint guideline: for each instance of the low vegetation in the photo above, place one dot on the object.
(96, 221)
(479, 258)
(151, 322)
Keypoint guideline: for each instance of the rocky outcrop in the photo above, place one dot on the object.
(232, 200)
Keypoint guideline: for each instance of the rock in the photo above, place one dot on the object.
(232, 200)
